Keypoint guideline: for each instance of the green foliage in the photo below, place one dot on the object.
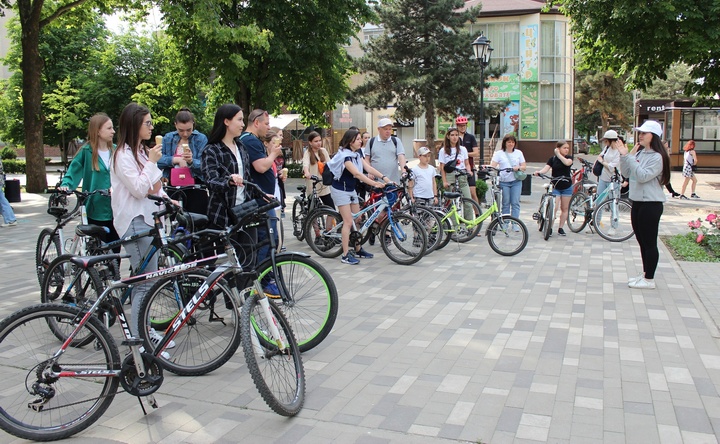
(601, 100)
(65, 109)
(14, 166)
(481, 188)
(295, 170)
(642, 39)
(265, 54)
(684, 247)
(673, 86)
(8, 153)
(421, 64)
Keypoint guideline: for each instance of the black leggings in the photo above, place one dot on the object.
(645, 218)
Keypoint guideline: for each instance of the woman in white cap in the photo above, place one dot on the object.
(609, 159)
(648, 167)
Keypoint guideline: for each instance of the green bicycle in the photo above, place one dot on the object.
(507, 235)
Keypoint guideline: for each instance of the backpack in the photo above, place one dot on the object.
(394, 141)
(327, 176)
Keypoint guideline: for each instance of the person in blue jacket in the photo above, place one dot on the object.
(174, 156)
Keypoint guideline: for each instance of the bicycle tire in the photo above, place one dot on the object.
(541, 214)
(447, 231)
(431, 222)
(211, 334)
(462, 233)
(313, 307)
(577, 212)
(549, 218)
(620, 227)
(78, 287)
(77, 402)
(325, 242)
(46, 250)
(503, 237)
(407, 235)
(278, 375)
(298, 220)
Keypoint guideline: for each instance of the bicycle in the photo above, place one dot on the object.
(60, 390)
(51, 242)
(587, 210)
(460, 231)
(506, 235)
(401, 236)
(545, 216)
(303, 206)
(430, 217)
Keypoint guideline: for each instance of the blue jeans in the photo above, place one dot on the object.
(7, 211)
(511, 197)
(602, 186)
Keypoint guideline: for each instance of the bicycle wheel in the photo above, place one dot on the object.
(48, 248)
(313, 298)
(619, 226)
(464, 232)
(404, 240)
(323, 232)
(507, 235)
(577, 211)
(279, 375)
(298, 220)
(447, 228)
(40, 407)
(69, 284)
(432, 224)
(211, 333)
(549, 217)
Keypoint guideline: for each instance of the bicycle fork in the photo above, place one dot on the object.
(274, 331)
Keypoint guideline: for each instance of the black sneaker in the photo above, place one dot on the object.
(694, 196)
(561, 232)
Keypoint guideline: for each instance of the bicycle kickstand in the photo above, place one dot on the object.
(150, 400)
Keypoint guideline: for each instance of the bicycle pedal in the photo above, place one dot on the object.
(536, 216)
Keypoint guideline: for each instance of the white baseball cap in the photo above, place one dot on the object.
(384, 122)
(423, 150)
(610, 134)
(650, 126)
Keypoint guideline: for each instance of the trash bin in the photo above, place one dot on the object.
(527, 186)
(12, 190)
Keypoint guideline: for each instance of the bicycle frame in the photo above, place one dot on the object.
(493, 209)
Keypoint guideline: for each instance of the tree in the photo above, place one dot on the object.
(420, 64)
(35, 15)
(602, 93)
(673, 86)
(266, 54)
(67, 111)
(642, 39)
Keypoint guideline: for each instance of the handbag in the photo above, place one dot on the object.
(181, 177)
(519, 175)
(598, 167)
(450, 167)
(321, 167)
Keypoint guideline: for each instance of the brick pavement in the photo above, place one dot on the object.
(465, 346)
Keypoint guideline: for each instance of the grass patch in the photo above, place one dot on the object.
(684, 248)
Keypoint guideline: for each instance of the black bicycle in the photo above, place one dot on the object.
(306, 203)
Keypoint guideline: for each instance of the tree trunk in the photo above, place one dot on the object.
(33, 118)
(430, 130)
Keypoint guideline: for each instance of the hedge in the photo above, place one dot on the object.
(14, 166)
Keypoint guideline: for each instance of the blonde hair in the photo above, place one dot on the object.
(93, 137)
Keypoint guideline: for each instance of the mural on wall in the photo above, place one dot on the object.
(529, 111)
(510, 118)
(529, 53)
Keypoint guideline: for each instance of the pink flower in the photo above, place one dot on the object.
(694, 224)
(700, 238)
(711, 217)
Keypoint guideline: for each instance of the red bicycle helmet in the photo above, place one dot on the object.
(461, 120)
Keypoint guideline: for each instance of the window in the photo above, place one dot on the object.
(505, 42)
(702, 126)
(555, 111)
(555, 81)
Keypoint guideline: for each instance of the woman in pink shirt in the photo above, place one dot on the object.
(134, 175)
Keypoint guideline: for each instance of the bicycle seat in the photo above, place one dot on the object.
(193, 221)
(301, 188)
(589, 186)
(452, 195)
(90, 261)
(91, 230)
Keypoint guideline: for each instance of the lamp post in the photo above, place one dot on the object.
(483, 51)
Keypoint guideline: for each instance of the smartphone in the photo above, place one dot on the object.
(186, 148)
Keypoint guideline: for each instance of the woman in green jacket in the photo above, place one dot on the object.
(92, 166)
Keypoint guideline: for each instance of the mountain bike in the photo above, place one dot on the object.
(506, 235)
(545, 215)
(55, 388)
(305, 204)
(589, 209)
(51, 243)
(401, 235)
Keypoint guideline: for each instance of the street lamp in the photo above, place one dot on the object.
(483, 51)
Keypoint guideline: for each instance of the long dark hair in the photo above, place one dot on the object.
(313, 160)
(131, 119)
(446, 142)
(656, 145)
(185, 116)
(348, 138)
(226, 111)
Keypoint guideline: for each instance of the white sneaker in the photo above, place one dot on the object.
(156, 337)
(611, 232)
(643, 284)
(163, 354)
(636, 278)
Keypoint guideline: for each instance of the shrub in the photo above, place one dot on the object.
(14, 166)
(295, 170)
(8, 153)
(481, 188)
